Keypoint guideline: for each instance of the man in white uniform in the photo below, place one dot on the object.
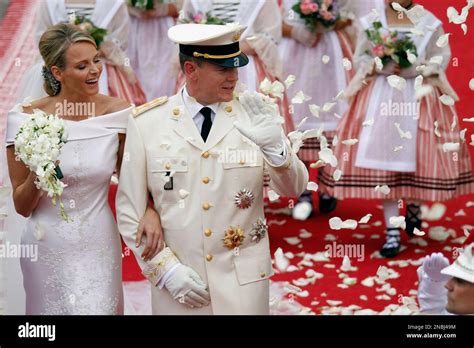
(202, 155)
(444, 288)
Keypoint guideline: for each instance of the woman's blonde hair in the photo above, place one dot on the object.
(53, 45)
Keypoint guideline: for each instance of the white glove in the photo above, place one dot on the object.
(304, 36)
(185, 286)
(432, 266)
(265, 129)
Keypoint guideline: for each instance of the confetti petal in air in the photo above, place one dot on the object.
(403, 134)
(397, 82)
(273, 196)
(290, 80)
(337, 175)
(436, 131)
(328, 106)
(326, 59)
(183, 193)
(443, 40)
(378, 64)
(382, 189)
(314, 109)
(417, 232)
(365, 219)
(312, 186)
(436, 60)
(449, 147)
(347, 64)
(350, 142)
(411, 57)
(300, 98)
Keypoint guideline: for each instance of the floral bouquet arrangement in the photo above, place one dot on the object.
(143, 5)
(84, 24)
(317, 11)
(38, 144)
(391, 46)
(205, 18)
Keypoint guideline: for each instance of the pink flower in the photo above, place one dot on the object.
(306, 8)
(326, 15)
(314, 7)
(198, 17)
(378, 51)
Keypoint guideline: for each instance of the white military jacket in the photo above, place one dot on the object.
(211, 183)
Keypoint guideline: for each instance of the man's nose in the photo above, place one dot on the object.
(233, 75)
(449, 285)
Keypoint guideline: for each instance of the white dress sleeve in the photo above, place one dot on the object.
(265, 36)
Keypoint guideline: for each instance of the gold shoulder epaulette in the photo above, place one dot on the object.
(147, 106)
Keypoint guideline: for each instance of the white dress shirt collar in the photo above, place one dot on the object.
(194, 108)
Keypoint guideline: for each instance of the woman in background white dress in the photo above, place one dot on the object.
(79, 265)
(117, 79)
(151, 53)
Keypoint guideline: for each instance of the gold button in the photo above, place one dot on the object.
(206, 206)
(242, 161)
(209, 258)
(228, 108)
(176, 112)
(168, 166)
(205, 180)
(205, 154)
(207, 232)
(262, 275)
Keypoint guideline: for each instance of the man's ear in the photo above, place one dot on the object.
(190, 69)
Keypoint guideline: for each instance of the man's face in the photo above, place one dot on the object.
(460, 296)
(214, 83)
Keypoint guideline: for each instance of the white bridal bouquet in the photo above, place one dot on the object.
(38, 144)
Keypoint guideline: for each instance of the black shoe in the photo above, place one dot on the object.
(327, 204)
(412, 219)
(391, 248)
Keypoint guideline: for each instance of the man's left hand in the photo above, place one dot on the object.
(265, 128)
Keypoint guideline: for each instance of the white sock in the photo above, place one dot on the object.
(390, 209)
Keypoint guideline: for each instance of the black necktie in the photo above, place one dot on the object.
(207, 124)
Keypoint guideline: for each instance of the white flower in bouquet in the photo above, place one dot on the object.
(38, 144)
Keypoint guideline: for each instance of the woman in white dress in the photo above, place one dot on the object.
(79, 266)
(151, 53)
(117, 79)
(302, 52)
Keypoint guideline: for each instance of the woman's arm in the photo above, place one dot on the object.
(25, 194)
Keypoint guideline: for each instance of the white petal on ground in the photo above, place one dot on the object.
(317, 164)
(439, 233)
(464, 28)
(471, 84)
(368, 282)
(292, 240)
(330, 237)
(304, 234)
(365, 219)
(382, 273)
(417, 232)
(303, 121)
(435, 213)
(312, 186)
(346, 264)
(273, 196)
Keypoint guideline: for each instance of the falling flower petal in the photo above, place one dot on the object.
(443, 40)
(378, 64)
(436, 60)
(398, 148)
(383, 189)
(368, 123)
(300, 98)
(416, 13)
(417, 232)
(347, 64)
(337, 175)
(273, 196)
(403, 134)
(451, 147)
(290, 80)
(326, 59)
(303, 121)
(411, 57)
(350, 141)
(464, 28)
(317, 164)
(423, 91)
(328, 106)
(39, 231)
(281, 262)
(312, 186)
(397, 82)
(314, 109)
